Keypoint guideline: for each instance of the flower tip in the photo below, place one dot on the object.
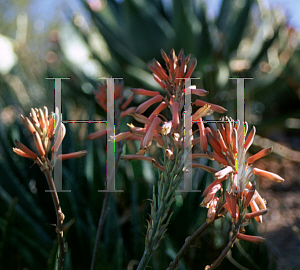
(96, 135)
(272, 176)
(38, 143)
(23, 151)
(78, 154)
(251, 238)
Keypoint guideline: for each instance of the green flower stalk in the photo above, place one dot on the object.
(168, 133)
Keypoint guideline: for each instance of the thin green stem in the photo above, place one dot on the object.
(166, 192)
(145, 259)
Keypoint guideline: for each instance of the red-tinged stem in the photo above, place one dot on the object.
(174, 265)
(224, 252)
(59, 217)
(186, 246)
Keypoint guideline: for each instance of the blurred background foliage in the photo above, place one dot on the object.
(118, 38)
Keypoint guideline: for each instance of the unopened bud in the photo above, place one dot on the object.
(169, 154)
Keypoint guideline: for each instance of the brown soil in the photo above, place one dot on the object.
(281, 225)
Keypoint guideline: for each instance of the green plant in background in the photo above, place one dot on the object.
(245, 40)
(234, 44)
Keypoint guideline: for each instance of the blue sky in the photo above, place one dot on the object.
(51, 10)
(290, 7)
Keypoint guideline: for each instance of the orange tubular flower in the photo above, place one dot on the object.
(251, 238)
(144, 106)
(210, 194)
(50, 129)
(26, 122)
(201, 112)
(149, 135)
(272, 176)
(203, 139)
(23, 151)
(121, 107)
(141, 118)
(205, 168)
(257, 213)
(128, 112)
(259, 155)
(175, 119)
(221, 174)
(255, 208)
(20, 153)
(191, 69)
(231, 199)
(139, 91)
(200, 155)
(200, 93)
(218, 158)
(215, 108)
(121, 136)
(97, 135)
(78, 154)
(212, 209)
(249, 194)
(211, 185)
(38, 143)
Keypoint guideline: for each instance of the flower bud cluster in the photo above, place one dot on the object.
(168, 132)
(42, 128)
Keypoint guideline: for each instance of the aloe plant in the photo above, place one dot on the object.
(123, 37)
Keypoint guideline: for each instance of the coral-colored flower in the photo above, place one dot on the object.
(210, 194)
(229, 144)
(78, 154)
(251, 238)
(120, 104)
(212, 209)
(157, 126)
(272, 176)
(23, 151)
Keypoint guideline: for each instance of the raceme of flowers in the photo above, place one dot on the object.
(165, 130)
(230, 144)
